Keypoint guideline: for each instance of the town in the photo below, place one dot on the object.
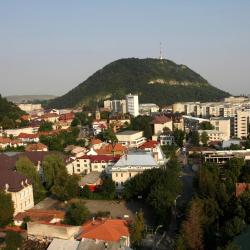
(69, 175)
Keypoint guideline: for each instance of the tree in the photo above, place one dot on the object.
(46, 126)
(86, 193)
(195, 138)
(13, 240)
(76, 214)
(52, 165)
(235, 165)
(245, 202)
(206, 126)
(137, 229)
(6, 208)
(204, 138)
(108, 188)
(179, 137)
(233, 227)
(27, 168)
(108, 135)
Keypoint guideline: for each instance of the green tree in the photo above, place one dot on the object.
(52, 165)
(6, 208)
(137, 229)
(206, 126)
(46, 126)
(179, 137)
(76, 214)
(245, 202)
(204, 138)
(195, 138)
(13, 240)
(108, 188)
(234, 166)
(233, 227)
(86, 193)
(193, 227)
(27, 168)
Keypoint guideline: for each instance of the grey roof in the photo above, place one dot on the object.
(89, 244)
(128, 132)
(58, 244)
(91, 178)
(136, 159)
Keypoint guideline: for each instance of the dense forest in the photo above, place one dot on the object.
(156, 81)
(9, 113)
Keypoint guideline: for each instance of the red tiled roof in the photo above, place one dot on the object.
(40, 215)
(241, 187)
(95, 141)
(110, 149)
(36, 147)
(67, 116)
(27, 136)
(107, 230)
(161, 119)
(149, 144)
(100, 158)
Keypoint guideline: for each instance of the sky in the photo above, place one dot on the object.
(49, 47)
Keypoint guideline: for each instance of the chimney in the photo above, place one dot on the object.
(6, 187)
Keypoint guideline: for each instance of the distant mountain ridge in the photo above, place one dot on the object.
(28, 98)
(156, 81)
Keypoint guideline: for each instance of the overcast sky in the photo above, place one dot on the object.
(49, 47)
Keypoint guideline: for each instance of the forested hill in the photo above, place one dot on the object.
(9, 113)
(156, 81)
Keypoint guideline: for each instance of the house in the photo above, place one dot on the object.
(44, 230)
(50, 216)
(107, 230)
(93, 180)
(166, 139)
(50, 117)
(99, 126)
(96, 143)
(160, 123)
(155, 148)
(130, 165)
(27, 138)
(89, 163)
(7, 142)
(109, 149)
(19, 187)
(36, 147)
(131, 138)
(18, 131)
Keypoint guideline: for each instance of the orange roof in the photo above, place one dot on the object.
(40, 215)
(109, 149)
(4, 140)
(108, 230)
(149, 144)
(36, 147)
(25, 135)
(95, 141)
(241, 187)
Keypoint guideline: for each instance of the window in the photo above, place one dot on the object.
(130, 175)
(116, 175)
(121, 174)
(78, 165)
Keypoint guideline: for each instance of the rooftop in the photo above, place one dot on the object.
(128, 132)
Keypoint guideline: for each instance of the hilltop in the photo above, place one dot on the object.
(156, 81)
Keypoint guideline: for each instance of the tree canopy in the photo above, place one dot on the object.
(6, 208)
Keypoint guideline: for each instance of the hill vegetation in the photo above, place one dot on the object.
(158, 81)
(9, 113)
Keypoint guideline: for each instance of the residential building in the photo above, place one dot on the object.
(222, 124)
(148, 108)
(27, 138)
(241, 123)
(132, 103)
(130, 165)
(116, 106)
(166, 139)
(36, 147)
(213, 135)
(131, 138)
(29, 107)
(88, 163)
(107, 230)
(19, 187)
(161, 122)
(93, 180)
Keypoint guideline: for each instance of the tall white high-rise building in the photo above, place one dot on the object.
(132, 104)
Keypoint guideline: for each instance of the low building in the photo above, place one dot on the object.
(130, 165)
(107, 230)
(36, 147)
(50, 216)
(213, 135)
(166, 139)
(48, 231)
(7, 142)
(131, 138)
(93, 180)
(148, 108)
(19, 187)
(28, 138)
(160, 123)
(155, 148)
(88, 163)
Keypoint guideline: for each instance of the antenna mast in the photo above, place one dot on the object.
(161, 53)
